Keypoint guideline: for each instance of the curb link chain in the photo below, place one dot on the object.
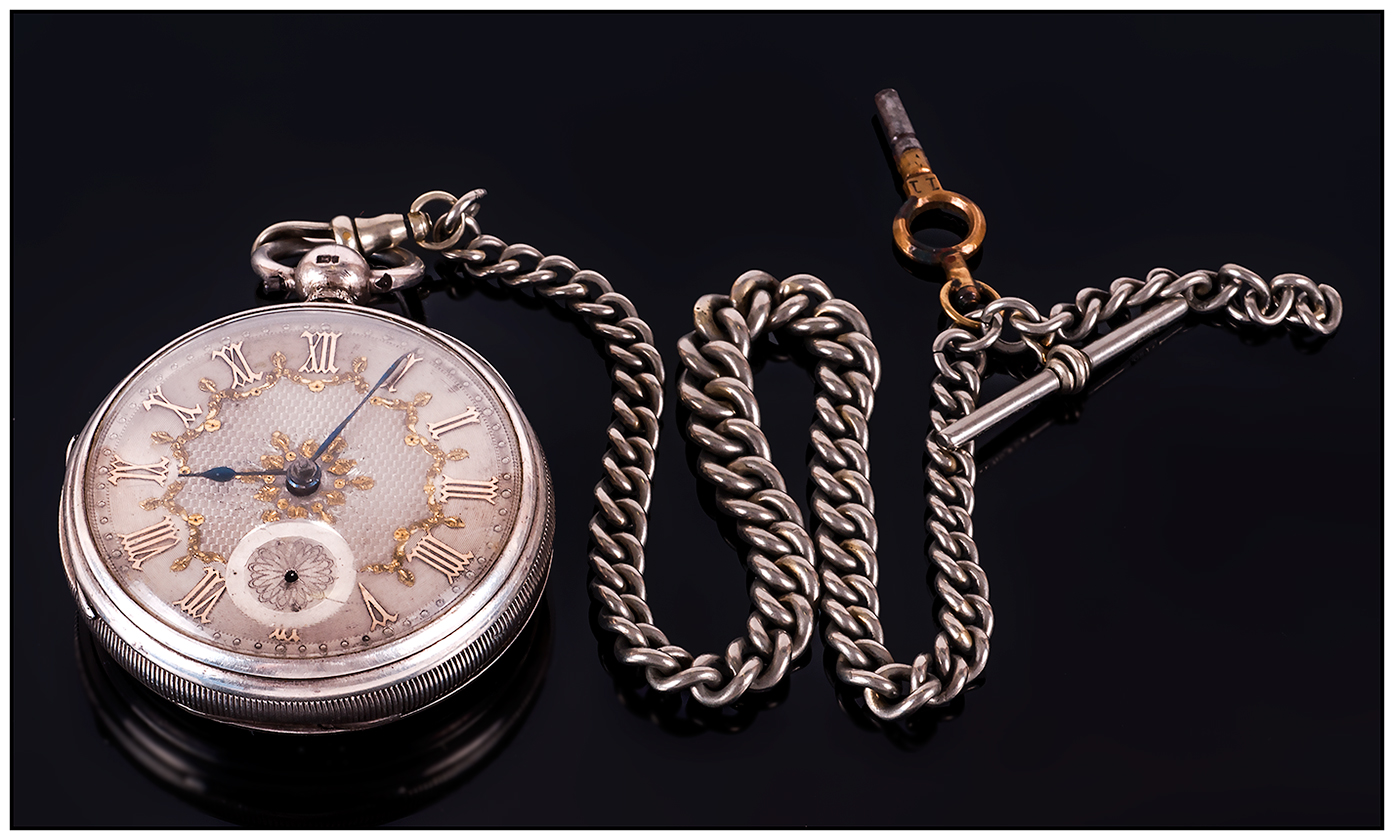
(1244, 295)
(781, 622)
(837, 567)
(716, 385)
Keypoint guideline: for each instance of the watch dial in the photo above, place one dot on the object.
(348, 541)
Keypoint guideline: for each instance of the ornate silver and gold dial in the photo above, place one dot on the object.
(308, 517)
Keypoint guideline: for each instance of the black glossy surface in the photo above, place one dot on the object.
(1187, 581)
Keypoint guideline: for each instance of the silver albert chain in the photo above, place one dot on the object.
(833, 571)
(836, 567)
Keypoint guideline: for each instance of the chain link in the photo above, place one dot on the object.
(1244, 295)
(835, 568)
(781, 622)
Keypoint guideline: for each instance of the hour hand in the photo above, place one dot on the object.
(228, 473)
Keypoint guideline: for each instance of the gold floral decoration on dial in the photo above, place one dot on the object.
(282, 505)
(287, 506)
(436, 509)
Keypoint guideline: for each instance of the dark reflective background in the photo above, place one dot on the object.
(1186, 575)
(275, 780)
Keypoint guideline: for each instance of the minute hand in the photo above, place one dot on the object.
(340, 428)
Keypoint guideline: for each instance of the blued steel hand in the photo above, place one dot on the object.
(339, 428)
(228, 473)
(303, 477)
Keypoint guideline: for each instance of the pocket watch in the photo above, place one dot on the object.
(312, 516)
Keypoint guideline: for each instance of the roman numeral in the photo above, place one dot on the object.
(465, 488)
(379, 615)
(464, 418)
(397, 375)
(158, 473)
(205, 594)
(322, 347)
(242, 374)
(147, 542)
(441, 557)
(157, 397)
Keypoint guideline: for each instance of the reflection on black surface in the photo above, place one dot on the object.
(344, 779)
